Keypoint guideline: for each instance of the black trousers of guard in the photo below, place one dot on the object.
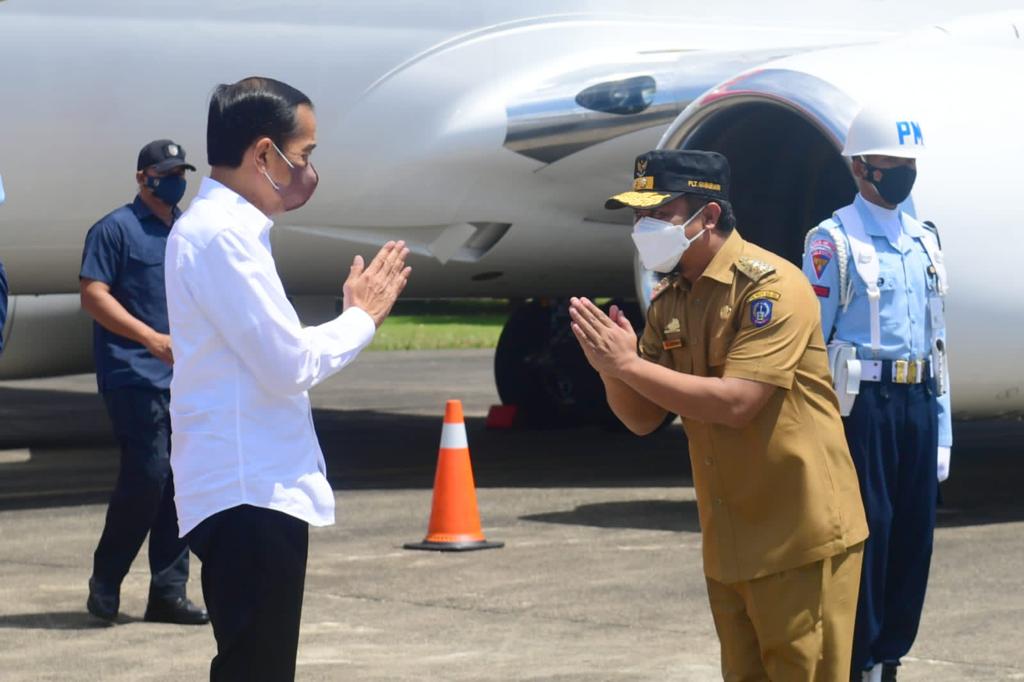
(143, 498)
(893, 437)
(254, 574)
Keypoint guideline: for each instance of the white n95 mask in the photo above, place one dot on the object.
(660, 243)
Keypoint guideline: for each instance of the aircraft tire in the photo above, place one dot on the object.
(539, 367)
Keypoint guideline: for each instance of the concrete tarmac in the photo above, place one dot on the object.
(600, 578)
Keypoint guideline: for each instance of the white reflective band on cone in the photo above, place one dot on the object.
(453, 437)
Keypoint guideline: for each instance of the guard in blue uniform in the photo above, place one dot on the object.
(122, 288)
(881, 282)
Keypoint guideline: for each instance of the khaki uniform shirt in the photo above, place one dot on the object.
(781, 492)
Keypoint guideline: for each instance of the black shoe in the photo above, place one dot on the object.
(889, 672)
(102, 604)
(180, 611)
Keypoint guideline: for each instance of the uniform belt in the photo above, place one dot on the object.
(895, 371)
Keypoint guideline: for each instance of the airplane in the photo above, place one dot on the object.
(488, 134)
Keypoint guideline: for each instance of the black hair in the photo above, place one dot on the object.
(243, 112)
(727, 219)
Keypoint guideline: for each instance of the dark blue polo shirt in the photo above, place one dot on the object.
(125, 250)
(3, 304)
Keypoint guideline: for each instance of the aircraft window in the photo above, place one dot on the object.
(627, 96)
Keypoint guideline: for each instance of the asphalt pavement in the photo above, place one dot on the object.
(600, 577)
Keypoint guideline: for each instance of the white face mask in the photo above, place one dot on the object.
(661, 244)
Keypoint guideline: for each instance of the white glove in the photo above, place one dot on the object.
(943, 468)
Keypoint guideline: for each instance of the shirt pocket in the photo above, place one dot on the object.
(678, 350)
(141, 288)
(145, 255)
(887, 281)
(682, 360)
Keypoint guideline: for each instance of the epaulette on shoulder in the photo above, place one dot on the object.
(830, 230)
(753, 268)
(934, 229)
(661, 287)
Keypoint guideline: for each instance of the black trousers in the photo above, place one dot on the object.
(893, 437)
(254, 573)
(143, 498)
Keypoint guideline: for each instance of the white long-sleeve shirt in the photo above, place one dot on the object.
(242, 427)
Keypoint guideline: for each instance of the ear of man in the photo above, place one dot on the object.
(860, 169)
(261, 150)
(712, 212)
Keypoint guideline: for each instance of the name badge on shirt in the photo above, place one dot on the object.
(672, 341)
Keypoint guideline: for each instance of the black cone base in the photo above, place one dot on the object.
(454, 546)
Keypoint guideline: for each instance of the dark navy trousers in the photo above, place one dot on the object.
(143, 499)
(254, 574)
(893, 437)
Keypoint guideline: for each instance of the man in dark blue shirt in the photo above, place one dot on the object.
(122, 288)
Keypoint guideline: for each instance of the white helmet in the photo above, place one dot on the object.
(881, 131)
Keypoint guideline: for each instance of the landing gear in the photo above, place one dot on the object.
(539, 366)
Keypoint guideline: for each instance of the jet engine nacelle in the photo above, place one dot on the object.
(46, 336)
(782, 127)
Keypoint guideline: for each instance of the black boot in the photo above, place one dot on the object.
(102, 602)
(178, 610)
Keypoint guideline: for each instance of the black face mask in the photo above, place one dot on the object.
(895, 184)
(168, 188)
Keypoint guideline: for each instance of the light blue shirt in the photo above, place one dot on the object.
(905, 284)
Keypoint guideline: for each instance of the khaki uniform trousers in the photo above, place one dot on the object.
(796, 625)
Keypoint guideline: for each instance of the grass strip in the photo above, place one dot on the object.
(437, 325)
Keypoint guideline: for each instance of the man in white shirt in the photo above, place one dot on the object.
(249, 473)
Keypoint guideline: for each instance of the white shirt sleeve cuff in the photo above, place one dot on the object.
(358, 326)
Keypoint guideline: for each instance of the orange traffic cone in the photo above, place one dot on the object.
(454, 517)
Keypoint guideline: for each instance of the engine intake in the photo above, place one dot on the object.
(782, 132)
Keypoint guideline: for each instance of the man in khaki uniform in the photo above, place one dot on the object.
(733, 345)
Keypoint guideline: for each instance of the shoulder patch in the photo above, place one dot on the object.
(822, 252)
(753, 268)
(664, 285)
(761, 312)
(824, 244)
